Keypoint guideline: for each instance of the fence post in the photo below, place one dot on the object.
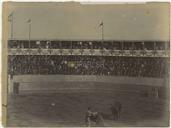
(16, 88)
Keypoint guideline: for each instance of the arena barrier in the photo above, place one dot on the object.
(76, 82)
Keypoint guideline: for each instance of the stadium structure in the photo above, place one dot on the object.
(134, 67)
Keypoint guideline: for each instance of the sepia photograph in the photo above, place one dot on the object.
(71, 64)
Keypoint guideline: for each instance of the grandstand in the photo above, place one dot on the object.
(89, 72)
(89, 57)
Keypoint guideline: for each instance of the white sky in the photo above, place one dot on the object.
(63, 21)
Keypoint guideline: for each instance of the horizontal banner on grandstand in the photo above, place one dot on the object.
(93, 52)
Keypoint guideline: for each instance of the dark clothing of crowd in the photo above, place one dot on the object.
(89, 65)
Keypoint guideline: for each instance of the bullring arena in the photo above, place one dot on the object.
(53, 82)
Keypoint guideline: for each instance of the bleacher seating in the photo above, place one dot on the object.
(89, 65)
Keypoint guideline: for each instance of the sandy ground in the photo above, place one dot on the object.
(68, 109)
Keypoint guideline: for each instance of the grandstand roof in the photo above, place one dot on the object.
(91, 40)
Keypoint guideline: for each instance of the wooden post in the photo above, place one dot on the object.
(16, 88)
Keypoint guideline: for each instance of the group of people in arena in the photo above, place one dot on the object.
(89, 65)
(97, 117)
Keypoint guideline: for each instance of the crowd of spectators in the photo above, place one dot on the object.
(89, 65)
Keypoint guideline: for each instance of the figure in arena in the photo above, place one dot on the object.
(116, 110)
(93, 117)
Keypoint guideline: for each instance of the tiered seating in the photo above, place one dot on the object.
(90, 65)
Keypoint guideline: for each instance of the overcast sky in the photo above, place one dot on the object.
(66, 21)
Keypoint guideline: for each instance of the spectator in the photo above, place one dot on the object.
(89, 65)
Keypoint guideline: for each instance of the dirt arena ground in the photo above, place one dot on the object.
(68, 108)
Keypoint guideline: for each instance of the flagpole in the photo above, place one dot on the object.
(29, 33)
(12, 27)
(102, 33)
(10, 19)
(29, 30)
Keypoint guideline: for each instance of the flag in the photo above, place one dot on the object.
(10, 17)
(28, 21)
(101, 24)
